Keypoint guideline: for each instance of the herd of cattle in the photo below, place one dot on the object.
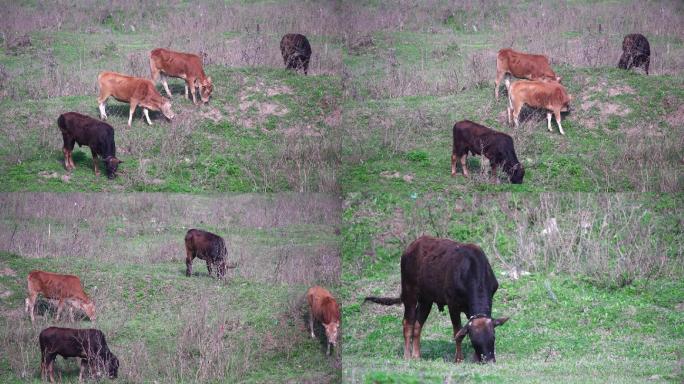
(90, 345)
(539, 88)
(433, 270)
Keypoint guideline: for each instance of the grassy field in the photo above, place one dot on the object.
(266, 129)
(592, 283)
(163, 326)
(412, 71)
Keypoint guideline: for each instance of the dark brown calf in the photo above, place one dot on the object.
(497, 146)
(84, 130)
(208, 247)
(445, 272)
(296, 52)
(87, 344)
(636, 52)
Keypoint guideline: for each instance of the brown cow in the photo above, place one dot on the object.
(521, 65)
(324, 308)
(636, 52)
(62, 288)
(538, 94)
(208, 247)
(296, 52)
(186, 66)
(457, 275)
(98, 135)
(470, 137)
(88, 344)
(133, 90)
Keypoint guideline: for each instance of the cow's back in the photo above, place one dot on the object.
(442, 270)
(177, 62)
(323, 305)
(524, 65)
(295, 43)
(123, 87)
(56, 286)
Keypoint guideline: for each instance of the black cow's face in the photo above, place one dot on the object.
(517, 174)
(481, 333)
(113, 367)
(112, 164)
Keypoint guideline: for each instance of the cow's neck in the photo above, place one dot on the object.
(479, 304)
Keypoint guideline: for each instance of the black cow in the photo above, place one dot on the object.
(296, 51)
(88, 344)
(208, 247)
(636, 52)
(496, 146)
(98, 135)
(448, 273)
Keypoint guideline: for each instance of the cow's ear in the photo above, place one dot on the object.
(209, 79)
(500, 321)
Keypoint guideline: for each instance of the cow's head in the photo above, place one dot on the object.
(166, 109)
(205, 89)
(480, 328)
(112, 367)
(331, 332)
(112, 164)
(516, 173)
(89, 309)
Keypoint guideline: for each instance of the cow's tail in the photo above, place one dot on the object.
(61, 122)
(383, 300)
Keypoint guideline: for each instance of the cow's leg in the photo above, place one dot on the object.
(30, 304)
(101, 99)
(166, 85)
(494, 178)
(647, 63)
(209, 264)
(516, 113)
(548, 121)
(558, 121)
(131, 111)
(147, 116)
(409, 320)
(455, 316)
(51, 368)
(60, 306)
(464, 158)
(71, 313)
(453, 164)
(95, 160)
(422, 313)
(311, 323)
(84, 366)
(188, 262)
(497, 83)
(67, 164)
(190, 83)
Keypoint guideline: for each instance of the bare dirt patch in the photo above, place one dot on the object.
(7, 272)
(301, 130)
(621, 90)
(212, 114)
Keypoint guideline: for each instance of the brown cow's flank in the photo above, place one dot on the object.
(187, 66)
(522, 65)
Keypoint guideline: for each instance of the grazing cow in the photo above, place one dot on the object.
(496, 146)
(296, 51)
(324, 308)
(182, 65)
(208, 247)
(636, 52)
(63, 289)
(98, 135)
(88, 344)
(521, 65)
(538, 94)
(133, 90)
(448, 273)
